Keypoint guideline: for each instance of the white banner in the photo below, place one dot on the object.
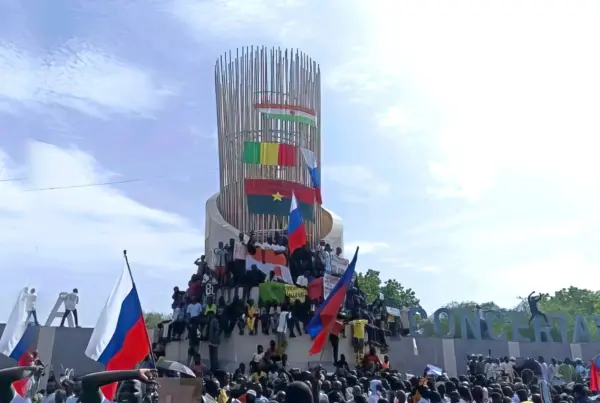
(338, 265)
(329, 282)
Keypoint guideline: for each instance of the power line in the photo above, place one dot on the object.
(84, 185)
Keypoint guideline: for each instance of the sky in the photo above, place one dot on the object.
(460, 140)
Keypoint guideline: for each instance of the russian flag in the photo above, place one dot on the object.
(324, 320)
(120, 339)
(313, 169)
(296, 230)
(18, 337)
(595, 373)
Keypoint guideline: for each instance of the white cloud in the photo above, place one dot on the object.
(280, 20)
(357, 183)
(514, 94)
(430, 269)
(517, 234)
(366, 247)
(85, 228)
(541, 275)
(467, 184)
(396, 117)
(403, 263)
(79, 77)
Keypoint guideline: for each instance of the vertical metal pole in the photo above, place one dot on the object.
(151, 354)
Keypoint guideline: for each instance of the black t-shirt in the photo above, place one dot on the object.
(532, 365)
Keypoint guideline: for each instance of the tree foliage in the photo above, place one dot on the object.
(570, 301)
(152, 319)
(395, 295)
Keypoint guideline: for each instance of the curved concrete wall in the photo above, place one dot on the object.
(65, 348)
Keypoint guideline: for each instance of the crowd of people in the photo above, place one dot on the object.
(555, 373)
(200, 316)
(196, 306)
(374, 381)
(267, 379)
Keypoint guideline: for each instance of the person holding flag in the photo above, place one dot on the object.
(321, 325)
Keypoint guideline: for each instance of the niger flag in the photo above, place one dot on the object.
(272, 196)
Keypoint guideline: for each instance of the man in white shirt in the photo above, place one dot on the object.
(283, 324)
(552, 371)
(327, 259)
(71, 301)
(508, 368)
(240, 251)
(30, 300)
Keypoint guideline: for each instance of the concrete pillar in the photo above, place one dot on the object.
(449, 355)
(514, 349)
(576, 351)
(45, 347)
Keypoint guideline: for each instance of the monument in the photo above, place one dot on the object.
(269, 144)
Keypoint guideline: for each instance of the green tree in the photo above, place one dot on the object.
(573, 301)
(570, 301)
(370, 284)
(394, 293)
(397, 296)
(152, 319)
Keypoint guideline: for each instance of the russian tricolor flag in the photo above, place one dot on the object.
(296, 230)
(120, 339)
(18, 337)
(595, 374)
(313, 170)
(324, 320)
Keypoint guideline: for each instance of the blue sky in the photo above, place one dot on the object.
(459, 139)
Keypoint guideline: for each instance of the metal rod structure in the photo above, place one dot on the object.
(251, 76)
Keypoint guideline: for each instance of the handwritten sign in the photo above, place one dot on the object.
(329, 282)
(338, 265)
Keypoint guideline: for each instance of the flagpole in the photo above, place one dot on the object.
(151, 354)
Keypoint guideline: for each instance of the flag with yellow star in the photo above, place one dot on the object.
(271, 196)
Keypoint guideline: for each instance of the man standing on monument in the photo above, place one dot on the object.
(71, 301)
(30, 300)
(533, 307)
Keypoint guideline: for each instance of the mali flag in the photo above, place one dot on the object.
(272, 196)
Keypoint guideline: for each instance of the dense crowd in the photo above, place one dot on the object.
(195, 307)
(555, 373)
(267, 379)
(374, 381)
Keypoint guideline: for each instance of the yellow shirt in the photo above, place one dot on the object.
(358, 328)
(257, 375)
(211, 308)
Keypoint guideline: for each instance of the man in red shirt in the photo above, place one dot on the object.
(372, 360)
